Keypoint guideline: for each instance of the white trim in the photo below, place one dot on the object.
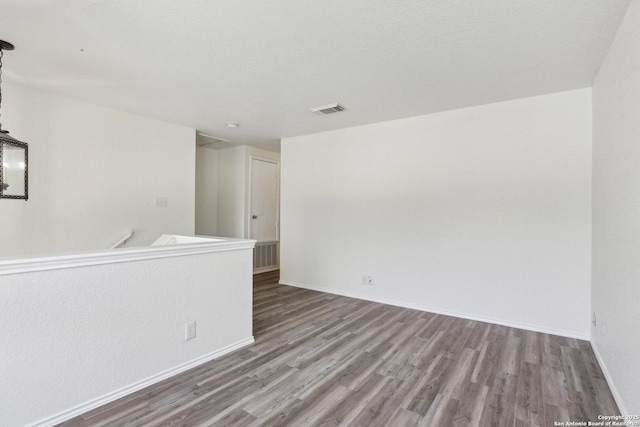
(110, 397)
(440, 311)
(612, 385)
(26, 265)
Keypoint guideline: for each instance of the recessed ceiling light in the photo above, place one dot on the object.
(232, 125)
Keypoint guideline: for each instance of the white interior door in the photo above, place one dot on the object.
(263, 221)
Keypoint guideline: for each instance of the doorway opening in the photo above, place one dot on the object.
(264, 213)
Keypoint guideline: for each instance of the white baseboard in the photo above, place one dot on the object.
(610, 382)
(440, 311)
(117, 394)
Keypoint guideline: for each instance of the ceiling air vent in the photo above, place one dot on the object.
(209, 141)
(327, 109)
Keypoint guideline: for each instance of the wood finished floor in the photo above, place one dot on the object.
(326, 360)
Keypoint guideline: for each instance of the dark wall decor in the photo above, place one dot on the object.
(14, 155)
(14, 173)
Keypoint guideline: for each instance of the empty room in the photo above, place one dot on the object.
(355, 213)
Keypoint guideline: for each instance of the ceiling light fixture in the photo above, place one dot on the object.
(233, 125)
(12, 152)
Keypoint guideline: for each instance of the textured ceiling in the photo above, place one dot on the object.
(263, 64)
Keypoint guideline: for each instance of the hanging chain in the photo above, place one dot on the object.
(1, 53)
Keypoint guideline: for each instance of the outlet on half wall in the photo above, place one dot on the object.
(189, 330)
(367, 280)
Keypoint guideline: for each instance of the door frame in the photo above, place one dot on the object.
(250, 194)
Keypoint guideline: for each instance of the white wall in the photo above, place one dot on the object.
(233, 188)
(483, 212)
(93, 174)
(77, 337)
(616, 213)
(206, 191)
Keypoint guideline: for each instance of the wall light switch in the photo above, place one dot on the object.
(161, 202)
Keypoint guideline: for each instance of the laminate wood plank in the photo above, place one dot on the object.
(305, 410)
(373, 340)
(344, 411)
(272, 400)
(532, 348)
(573, 368)
(591, 363)
(581, 407)
(349, 323)
(210, 404)
(236, 418)
(511, 356)
(551, 351)
(290, 322)
(274, 380)
(500, 405)
(430, 385)
(403, 418)
(529, 401)
(397, 355)
(554, 414)
(431, 349)
(471, 406)
(382, 405)
(441, 413)
(419, 351)
(478, 336)
(328, 360)
(331, 380)
(435, 324)
(411, 317)
(455, 339)
(232, 373)
(553, 387)
(107, 414)
(459, 378)
(606, 402)
(314, 399)
(487, 363)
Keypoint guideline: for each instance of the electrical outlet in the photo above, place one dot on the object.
(367, 280)
(190, 330)
(594, 320)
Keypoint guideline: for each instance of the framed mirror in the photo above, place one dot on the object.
(14, 173)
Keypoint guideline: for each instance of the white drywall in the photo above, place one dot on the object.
(206, 191)
(233, 188)
(76, 337)
(94, 173)
(483, 212)
(616, 213)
